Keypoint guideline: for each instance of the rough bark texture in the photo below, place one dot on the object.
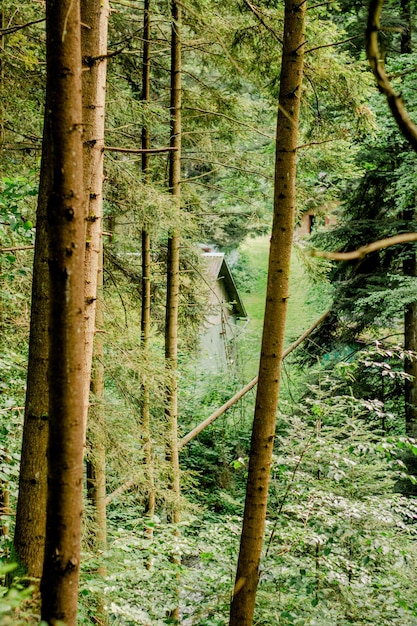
(173, 265)
(171, 321)
(243, 602)
(29, 537)
(66, 221)
(146, 272)
(406, 43)
(94, 17)
(96, 465)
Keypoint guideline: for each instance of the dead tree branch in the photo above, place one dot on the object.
(260, 17)
(395, 103)
(139, 150)
(16, 249)
(13, 29)
(361, 252)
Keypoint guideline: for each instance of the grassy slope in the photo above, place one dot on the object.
(301, 311)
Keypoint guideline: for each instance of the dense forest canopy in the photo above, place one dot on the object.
(137, 451)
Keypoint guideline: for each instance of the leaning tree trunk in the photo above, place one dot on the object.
(146, 274)
(29, 537)
(243, 602)
(66, 222)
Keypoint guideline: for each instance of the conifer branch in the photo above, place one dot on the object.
(395, 103)
(316, 143)
(231, 119)
(217, 35)
(361, 252)
(13, 29)
(256, 11)
(227, 165)
(331, 45)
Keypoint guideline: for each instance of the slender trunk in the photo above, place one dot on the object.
(29, 537)
(5, 501)
(146, 273)
(94, 18)
(96, 465)
(66, 222)
(406, 45)
(2, 25)
(173, 265)
(243, 602)
(171, 320)
(410, 365)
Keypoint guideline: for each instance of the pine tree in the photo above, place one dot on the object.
(247, 575)
(66, 220)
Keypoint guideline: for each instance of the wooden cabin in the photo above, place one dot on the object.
(225, 313)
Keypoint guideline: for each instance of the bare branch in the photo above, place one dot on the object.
(321, 4)
(231, 119)
(395, 103)
(16, 249)
(14, 29)
(139, 150)
(315, 143)
(361, 252)
(228, 166)
(331, 45)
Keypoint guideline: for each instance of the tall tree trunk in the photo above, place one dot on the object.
(66, 221)
(146, 272)
(94, 17)
(2, 25)
(410, 365)
(243, 602)
(171, 320)
(96, 465)
(406, 45)
(173, 269)
(29, 537)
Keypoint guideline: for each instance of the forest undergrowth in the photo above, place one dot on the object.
(340, 540)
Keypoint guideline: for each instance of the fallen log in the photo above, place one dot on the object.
(209, 420)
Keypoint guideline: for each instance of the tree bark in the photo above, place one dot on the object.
(410, 365)
(173, 272)
(406, 43)
(29, 537)
(171, 320)
(247, 576)
(96, 465)
(94, 18)
(66, 221)
(146, 273)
